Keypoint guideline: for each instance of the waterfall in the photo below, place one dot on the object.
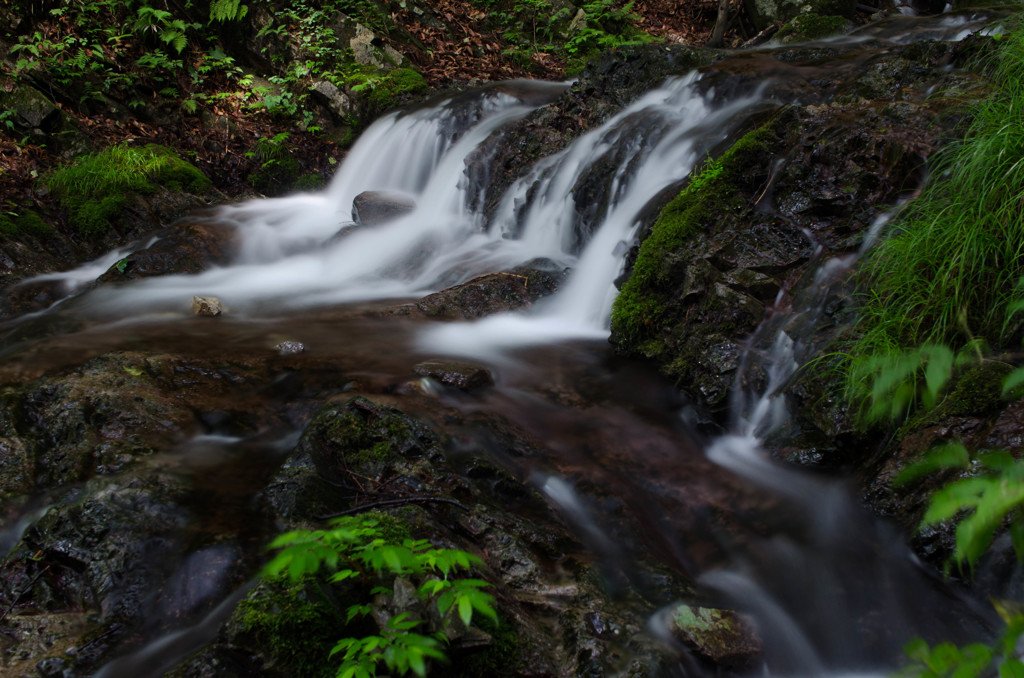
(652, 144)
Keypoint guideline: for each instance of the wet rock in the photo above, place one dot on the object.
(207, 306)
(371, 208)
(365, 438)
(97, 419)
(192, 247)
(719, 636)
(489, 294)
(107, 550)
(455, 373)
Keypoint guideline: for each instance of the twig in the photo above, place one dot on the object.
(394, 502)
(25, 590)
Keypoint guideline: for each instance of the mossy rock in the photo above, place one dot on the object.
(364, 438)
(642, 309)
(382, 90)
(805, 27)
(292, 626)
(95, 189)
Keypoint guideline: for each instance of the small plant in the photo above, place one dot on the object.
(358, 548)
(947, 660)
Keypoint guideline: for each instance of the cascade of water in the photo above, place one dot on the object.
(303, 249)
(808, 587)
(652, 144)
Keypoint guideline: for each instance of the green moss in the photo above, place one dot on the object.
(94, 188)
(294, 625)
(30, 222)
(640, 308)
(388, 90)
(27, 222)
(811, 27)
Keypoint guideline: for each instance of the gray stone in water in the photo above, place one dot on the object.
(207, 306)
(377, 207)
(461, 375)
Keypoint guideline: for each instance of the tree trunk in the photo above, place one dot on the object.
(718, 34)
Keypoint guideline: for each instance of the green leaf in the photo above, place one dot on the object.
(1013, 380)
(1011, 668)
(952, 455)
(465, 610)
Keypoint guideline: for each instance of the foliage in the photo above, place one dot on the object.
(227, 10)
(949, 270)
(895, 383)
(993, 493)
(947, 660)
(357, 548)
(535, 27)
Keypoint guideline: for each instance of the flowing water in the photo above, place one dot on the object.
(831, 590)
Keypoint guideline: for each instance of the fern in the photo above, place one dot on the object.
(356, 548)
(227, 10)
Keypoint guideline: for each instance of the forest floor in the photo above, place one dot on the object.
(464, 47)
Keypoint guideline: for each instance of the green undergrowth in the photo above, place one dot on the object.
(950, 269)
(95, 188)
(639, 310)
(573, 33)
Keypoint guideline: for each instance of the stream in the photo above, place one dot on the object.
(655, 488)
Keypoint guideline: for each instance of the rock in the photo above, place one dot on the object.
(290, 348)
(192, 247)
(369, 50)
(207, 306)
(371, 208)
(363, 437)
(489, 294)
(455, 373)
(334, 99)
(720, 636)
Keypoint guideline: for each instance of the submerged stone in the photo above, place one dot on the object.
(457, 373)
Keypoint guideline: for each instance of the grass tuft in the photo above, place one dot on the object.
(951, 267)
